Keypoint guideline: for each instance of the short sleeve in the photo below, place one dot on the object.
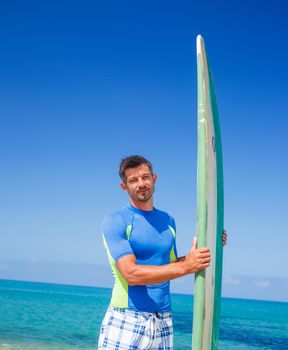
(114, 234)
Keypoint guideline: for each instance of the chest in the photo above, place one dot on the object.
(151, 239)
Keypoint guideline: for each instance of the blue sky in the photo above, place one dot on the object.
(84, 84)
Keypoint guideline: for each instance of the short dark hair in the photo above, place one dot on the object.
(132, 162)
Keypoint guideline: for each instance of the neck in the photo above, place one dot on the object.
(147, 206)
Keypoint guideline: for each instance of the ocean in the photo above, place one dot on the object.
(38, 316)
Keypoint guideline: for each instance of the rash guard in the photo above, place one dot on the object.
(150, 236)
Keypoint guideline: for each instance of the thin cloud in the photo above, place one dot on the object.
(231, 280)
(262, 283)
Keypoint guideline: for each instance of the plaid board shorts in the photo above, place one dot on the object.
(124, 329)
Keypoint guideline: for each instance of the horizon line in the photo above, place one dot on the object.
(94, 287)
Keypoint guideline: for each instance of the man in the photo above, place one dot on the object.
(140, 243)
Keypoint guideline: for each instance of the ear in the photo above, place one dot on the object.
(154, 178)
(123, 186)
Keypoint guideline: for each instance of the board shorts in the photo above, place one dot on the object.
(124, 329)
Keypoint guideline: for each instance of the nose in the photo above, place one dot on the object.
(141, 182)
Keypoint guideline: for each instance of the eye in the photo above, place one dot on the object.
(132, 181)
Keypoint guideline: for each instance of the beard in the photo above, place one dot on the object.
(143, 195)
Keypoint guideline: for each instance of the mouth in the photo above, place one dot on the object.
(143, 191)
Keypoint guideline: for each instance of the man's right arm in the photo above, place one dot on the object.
(135, 274)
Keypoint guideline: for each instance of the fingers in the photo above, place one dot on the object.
(198, 259)
(203, 267)
(202, 264)
(204, 250)
(224, 238)
(205, 263)
(205, 257)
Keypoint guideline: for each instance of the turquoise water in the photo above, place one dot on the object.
(38, 316)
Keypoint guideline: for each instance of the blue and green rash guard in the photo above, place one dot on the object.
(150, 236)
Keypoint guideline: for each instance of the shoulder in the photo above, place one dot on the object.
(121, 218)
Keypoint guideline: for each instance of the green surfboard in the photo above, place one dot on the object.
(210, 209)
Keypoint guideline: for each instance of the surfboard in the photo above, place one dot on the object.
(210, 209)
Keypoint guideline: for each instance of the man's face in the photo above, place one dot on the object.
(139, 183)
